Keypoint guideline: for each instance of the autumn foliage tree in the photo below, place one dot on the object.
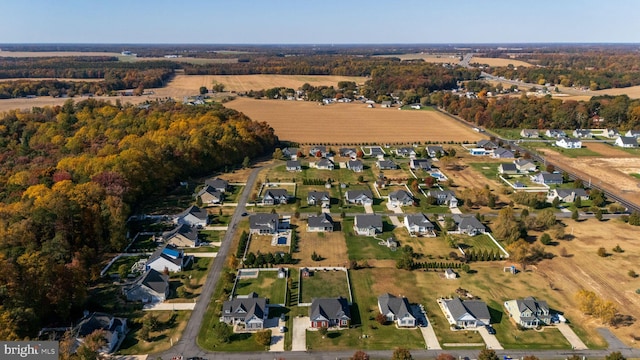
(591, 304)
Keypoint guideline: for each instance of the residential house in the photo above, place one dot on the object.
(318, 151)
(168, 257)
(396, 309)
(487, 144)
(319, 198)
(264, 223)
(419, 225)
(355, 165)
(626, 141)
(467, 313)
(524, 165)
(450, 274)
(293, 165)
(367, 224)
(386, 165)
(291, 153)
(547, 178)
(325, 164)
(406, 152)
(210, 195)
(320, 223)
(555, 133)
(528, 312)
(420, 164)
(385, 104)
(468, 224)
(329, 312)
(400, 198)
(182, 236)
(348, 152)
(477, 151)
(250, 311)
(444, 197)
(193, 216)
(218, 184)
(567, 195)
(502, 153)
(376, 151)
(634, 133)
(359, 197)
(582, 134)
(611, 133)
(416, 106)
(275, 197)
(507, 169)
(569, 143)
(151, 287)
(433, 150)
(114, 330)
(529, 133)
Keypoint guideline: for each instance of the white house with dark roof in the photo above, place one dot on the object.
(396, 309)
(433, 150)
(487, 144)
(319, 198)
(168, 257)
(466, 313)
(329, 312)
(583, 134)
(324, 164)
(348, 152)
(547, 178)
(210, 195)
(611, 133)
(626, 141)
(567, 195)
(468, 224)
(367, 224)
(555, 133)
(528, 312)
(275, 197)
(291, 153)
(319, 150)
(359, 197)
(406, 152)
(355, 165)
(218, 184)
(386, 165)
(114, 330)
(293, 165)
(507, 169)
(569, 143)
(502, 153)
(182, 235)
(444, 197)
(193, 216)
(251, 311)
(400, 198)
(419, 225)
(634, 133)
(151, 287)
(320, 223)
(420, 164)
(264, 223)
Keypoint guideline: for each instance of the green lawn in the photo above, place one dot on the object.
(143, 243)
(324, 284)
(575, 153)
(231, 196)
(366, 247)
(507, 133)
(477, 243)
(211, 235)
(489, 169)
(266, 284)
(171, 325)
(635, 175)
(128, 261)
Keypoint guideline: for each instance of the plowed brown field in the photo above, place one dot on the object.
(342, 123)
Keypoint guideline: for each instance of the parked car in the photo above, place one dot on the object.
(491, 330)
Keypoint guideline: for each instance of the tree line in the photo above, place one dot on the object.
(69, 176)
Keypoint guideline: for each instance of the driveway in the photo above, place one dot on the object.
(299, 341)
(429, 336)
(277, 337)
(571, 337)
(491, 340)
(202, 254)
(169, 306)
(368, 208)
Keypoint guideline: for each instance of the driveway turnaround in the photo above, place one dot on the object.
(491, 340)
(300, 325)
(572, 338)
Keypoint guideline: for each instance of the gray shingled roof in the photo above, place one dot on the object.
(476, 308)
(322, 220)
(400, 195)
(399, 306)
(263, 221)
(217, 183)
(532, 304)
(195, 211)
(509, 167)
(329, 308)
(354, 194)
(419, 219)
(467, 222)
(245, 308)
(368, 220)
(154, 280)
(185, 230)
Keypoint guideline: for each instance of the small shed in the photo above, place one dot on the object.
(450, 274)
(306, 272)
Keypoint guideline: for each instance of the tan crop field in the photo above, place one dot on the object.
(47, 79)
(243, 83)
(430, 58)
(25, 54)
(342, 123)
(499, 61)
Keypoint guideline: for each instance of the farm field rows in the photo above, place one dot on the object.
(306, 122)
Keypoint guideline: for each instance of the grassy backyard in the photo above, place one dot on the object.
(324, 284)
(366, 247)
(266, 284)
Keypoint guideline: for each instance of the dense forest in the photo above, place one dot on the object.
(594, 70)
(617, 112)
(70, 174)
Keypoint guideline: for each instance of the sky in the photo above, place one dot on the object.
(319, 21)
